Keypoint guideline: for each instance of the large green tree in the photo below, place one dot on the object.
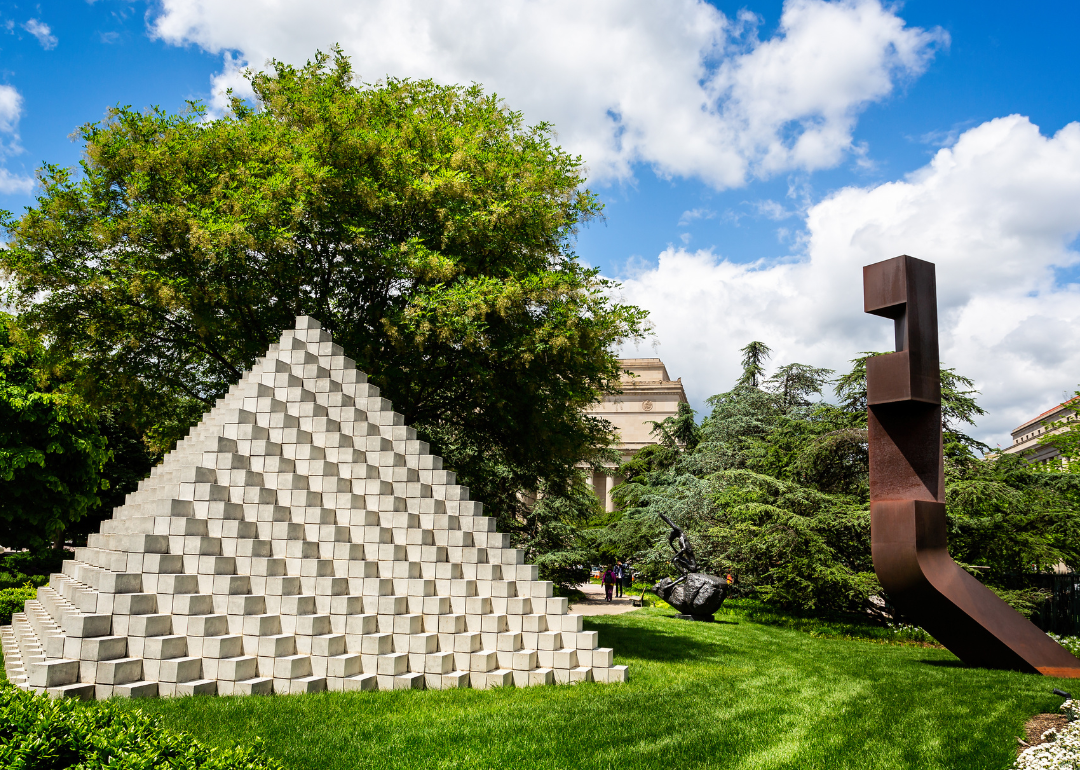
(426, 226)
(51, 449)
(776, 493)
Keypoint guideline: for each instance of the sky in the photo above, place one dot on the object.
(751, 156)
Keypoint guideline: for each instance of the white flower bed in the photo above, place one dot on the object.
(1070, 643)
(1062, 750)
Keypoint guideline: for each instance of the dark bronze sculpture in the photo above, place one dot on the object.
(907, 490)
(696, 595)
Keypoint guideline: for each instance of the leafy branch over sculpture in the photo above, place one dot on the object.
(428, 226)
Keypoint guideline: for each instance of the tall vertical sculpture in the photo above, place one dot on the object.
(907, 490)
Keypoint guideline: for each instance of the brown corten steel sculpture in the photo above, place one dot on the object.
(907, 490)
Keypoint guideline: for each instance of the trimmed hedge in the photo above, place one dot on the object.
(41, 734)
(13, 600)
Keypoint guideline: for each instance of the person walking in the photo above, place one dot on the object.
(618, 578)
(609, 582)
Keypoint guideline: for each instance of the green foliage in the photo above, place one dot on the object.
(12, 600)
(553, 535)
(41, 734)
(753, 362)
(1011, 517)
(33, 567)
(677, 430)
(426, 226)
(776, 493)
(51, 451)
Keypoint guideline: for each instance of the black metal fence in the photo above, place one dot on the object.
(1060, 613)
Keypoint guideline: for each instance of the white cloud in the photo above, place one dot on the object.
(10, 111)
(695, 214)
(14, 183)
(41, 31)
(997, 212)
(677, 85)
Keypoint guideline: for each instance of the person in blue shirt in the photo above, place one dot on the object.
(619, 570)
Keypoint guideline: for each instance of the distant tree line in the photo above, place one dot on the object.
(772, 488)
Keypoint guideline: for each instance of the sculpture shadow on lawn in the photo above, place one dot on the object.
(650, 642)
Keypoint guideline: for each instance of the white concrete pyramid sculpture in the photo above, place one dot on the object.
(299, 539)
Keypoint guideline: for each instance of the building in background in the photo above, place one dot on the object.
(649, 395)
(1026, 437)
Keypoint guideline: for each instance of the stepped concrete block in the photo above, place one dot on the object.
(230, 669)
(120, 671)
(134, 604)
(483, 661)
(52, 673)
(229, 646)
(132, 690)
(86, 625)
(602, 657)
(613, 674)
(150, 625)
(194, 687)
(299, 538)
(301, 685)
(497, 678)
(180, 669)
(96, 648)
(79, 691)
(253, 686)
(292, 666)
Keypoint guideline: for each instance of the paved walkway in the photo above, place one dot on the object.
(595, 604)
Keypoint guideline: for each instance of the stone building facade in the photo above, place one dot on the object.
(648, 395)
(1026, 437)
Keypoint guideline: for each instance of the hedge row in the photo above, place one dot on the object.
(13, 600)
(41, 734)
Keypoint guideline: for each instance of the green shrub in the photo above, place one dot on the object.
(30, 567)
(41, 734)
(12, 600)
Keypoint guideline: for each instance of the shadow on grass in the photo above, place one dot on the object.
(664, 639)
(944, 663)
(713, 622)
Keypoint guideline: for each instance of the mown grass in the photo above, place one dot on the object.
(733, 694)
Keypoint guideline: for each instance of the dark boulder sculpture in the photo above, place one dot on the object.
(696, 595)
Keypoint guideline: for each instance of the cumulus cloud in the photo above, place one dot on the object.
(10, 111)
(41, 31)
(998, 212)
(676, 85)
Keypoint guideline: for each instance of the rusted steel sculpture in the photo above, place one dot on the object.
(907, 490)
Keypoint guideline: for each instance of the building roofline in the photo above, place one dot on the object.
(1063, 405)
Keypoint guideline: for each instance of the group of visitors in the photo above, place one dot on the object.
(615, 578)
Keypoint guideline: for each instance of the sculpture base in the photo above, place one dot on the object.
(698, 618)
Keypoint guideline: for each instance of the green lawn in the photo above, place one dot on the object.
(722, 695)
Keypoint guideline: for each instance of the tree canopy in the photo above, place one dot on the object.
(51, 450)
(426, 226)
(773, 489)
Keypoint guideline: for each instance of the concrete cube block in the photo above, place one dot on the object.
(53, 673)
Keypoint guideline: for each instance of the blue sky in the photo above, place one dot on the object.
(690, 119)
